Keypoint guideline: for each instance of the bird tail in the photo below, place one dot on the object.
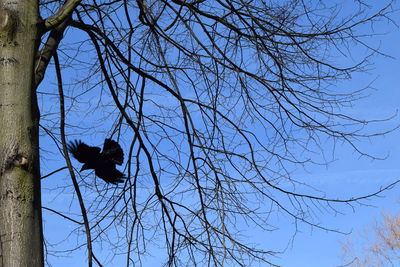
(116, 177)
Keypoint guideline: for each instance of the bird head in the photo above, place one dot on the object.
(85, 167)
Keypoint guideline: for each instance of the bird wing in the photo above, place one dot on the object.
(82, 152)
(113, 152)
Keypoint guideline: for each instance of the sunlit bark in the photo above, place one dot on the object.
(20, 203)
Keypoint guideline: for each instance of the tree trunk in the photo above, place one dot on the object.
(21, 239)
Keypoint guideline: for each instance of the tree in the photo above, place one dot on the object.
(20, 205)
(217, 102)
(381, 248)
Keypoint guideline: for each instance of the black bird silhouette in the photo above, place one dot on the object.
(103, 162)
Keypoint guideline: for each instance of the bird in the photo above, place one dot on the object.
(102, 162)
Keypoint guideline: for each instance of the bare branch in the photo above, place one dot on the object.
(62, 14)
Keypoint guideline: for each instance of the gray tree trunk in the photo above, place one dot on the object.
(21, 240)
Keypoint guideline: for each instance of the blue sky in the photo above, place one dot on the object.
(349, 175)
(352, 175)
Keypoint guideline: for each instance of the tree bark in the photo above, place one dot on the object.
(21, 239)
